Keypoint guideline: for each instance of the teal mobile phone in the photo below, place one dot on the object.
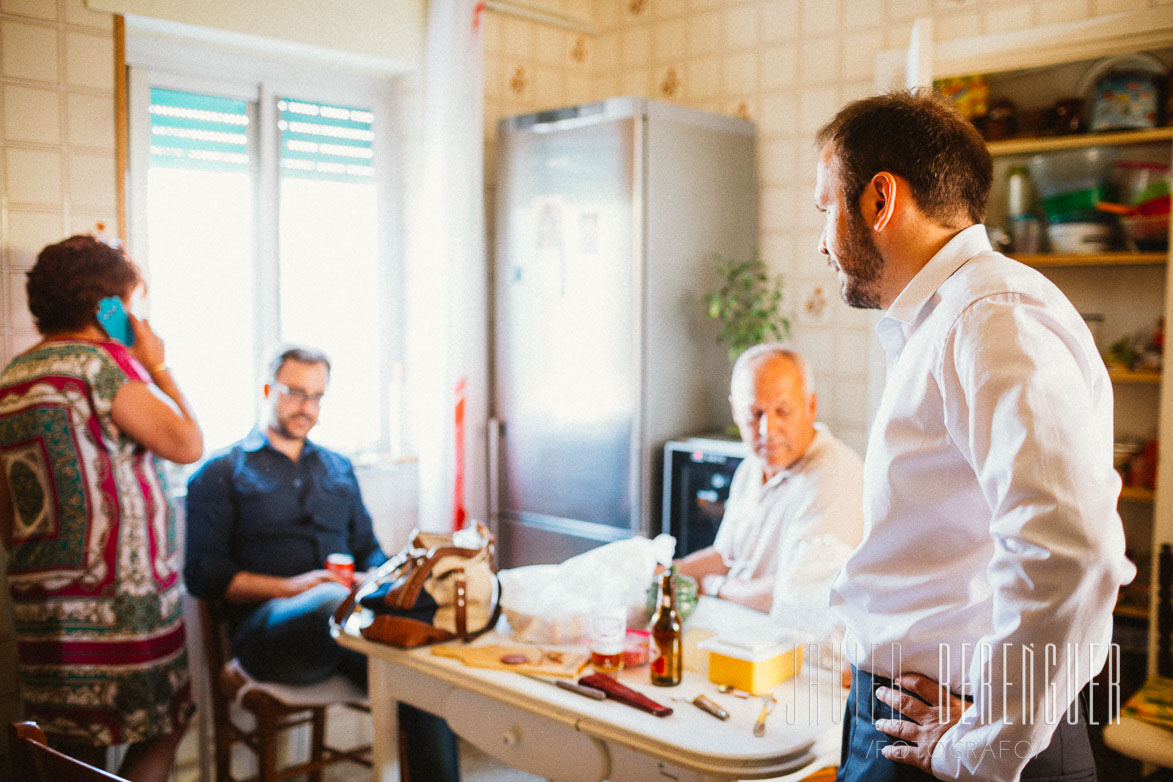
(112, 317)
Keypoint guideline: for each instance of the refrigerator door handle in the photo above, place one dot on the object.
(493, 440)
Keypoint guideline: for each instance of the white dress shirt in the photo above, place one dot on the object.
(989, 506)
(799, 527)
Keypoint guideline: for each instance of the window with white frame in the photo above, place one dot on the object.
(259, 213)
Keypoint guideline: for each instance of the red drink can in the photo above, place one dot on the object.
(343, 565)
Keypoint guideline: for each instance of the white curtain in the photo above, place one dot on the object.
(446, 291)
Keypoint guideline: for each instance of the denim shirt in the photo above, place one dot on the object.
(252, 508)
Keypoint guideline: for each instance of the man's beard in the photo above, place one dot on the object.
(859, 282)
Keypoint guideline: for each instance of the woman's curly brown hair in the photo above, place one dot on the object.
(71, 277)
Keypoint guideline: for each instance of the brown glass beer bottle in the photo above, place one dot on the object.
(667, 651)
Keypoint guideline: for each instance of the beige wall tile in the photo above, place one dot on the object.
(742, 27)
(518, 38)
(908, 9)
(854, 346)
(951, 27)
(32, 114)
(852, 403)
(491, 25)
(862, 13)
(579, 88)
(741, 73)
(636, 43)
(776, 209)
(779, 21)
(28, 232)
(1017, 17)
(492, 78)
(820, 17)
(28, 51)
(669, 40)
(89, 60)
(18, 317)
(90, 121)
(580, 54)
(704, 34)
(779, 67)
(779, 116)
(703, 80)
(816, 106)
(636, 82)
(19, 342)
(859, 53)
(1105, 7)
(607, 49)
(84, 221)
(33, 176)
(41, 9)
(551, 48)
(818, 61)
(777, 159)
(608, 14)
(1057, 11)
(92, 180)
(77, 13)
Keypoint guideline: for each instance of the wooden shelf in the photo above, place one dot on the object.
(1027, 146)
(1044, 260)
(1136, 494)
(1132, 611)
(1128, 376)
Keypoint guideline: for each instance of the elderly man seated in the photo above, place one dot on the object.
(795, 507)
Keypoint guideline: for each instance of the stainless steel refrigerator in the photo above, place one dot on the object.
(608, 216)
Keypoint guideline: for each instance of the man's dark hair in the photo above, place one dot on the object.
(71, 277)
(299, 353)
(920, 136)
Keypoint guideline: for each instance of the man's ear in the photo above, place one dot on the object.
(879, 200)
(814, 406)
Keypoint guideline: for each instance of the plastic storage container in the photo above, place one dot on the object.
(1071, 170)
(753, 661)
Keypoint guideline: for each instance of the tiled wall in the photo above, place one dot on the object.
(785, 64)
(57, 172)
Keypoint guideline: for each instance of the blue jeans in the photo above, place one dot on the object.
(1068, 758)
(288, 640)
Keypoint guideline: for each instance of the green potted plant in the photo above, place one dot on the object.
(746, 303)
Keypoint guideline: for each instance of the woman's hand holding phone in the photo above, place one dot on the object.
(148, 346)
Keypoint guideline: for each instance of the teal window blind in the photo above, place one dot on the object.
(189, 130)
(325, 141)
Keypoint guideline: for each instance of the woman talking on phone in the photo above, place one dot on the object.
(93, 560)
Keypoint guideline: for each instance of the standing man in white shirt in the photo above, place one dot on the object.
(794, 511)
(992, 550)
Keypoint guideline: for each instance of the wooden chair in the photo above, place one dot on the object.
(274, 707)
(34, 761)
(1135, 738)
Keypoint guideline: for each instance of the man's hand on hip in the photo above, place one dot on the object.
(926, 718)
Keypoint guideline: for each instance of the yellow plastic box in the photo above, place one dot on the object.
(753, 662)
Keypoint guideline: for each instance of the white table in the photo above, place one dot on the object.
(537, 727)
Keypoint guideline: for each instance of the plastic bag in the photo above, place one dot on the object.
(552, 604)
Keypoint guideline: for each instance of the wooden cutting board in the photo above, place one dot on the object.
(543, 662)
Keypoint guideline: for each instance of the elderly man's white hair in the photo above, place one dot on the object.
(751, 357)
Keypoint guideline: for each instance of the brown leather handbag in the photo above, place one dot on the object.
(442, 586)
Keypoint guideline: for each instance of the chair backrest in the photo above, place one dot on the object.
(213, 637)
(34, 761)
(1165, 611)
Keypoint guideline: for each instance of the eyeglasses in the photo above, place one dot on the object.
(297, 395)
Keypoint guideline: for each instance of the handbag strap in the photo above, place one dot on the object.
(460, 598)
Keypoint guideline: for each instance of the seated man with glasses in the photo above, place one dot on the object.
(262, 517)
